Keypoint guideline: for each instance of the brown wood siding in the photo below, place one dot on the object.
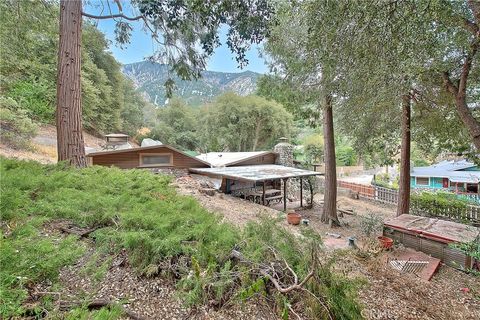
(130, 159)
(261, 159)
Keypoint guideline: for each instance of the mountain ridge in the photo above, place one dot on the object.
(149, 78)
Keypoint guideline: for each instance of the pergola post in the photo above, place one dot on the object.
(285, 195)
(301, 193)
(263, 193)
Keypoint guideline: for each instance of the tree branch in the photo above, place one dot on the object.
(467, 65)
(112, 16)
(119, 5)
(475, 7)
(449, 84)
(471, 26)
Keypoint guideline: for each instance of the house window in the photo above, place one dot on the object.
(155, 159)
(472, 188)
(421, 181)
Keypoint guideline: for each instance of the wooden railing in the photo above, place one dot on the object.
(363, 190)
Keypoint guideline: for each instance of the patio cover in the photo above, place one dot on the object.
(256, 173)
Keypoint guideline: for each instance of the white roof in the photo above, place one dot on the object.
(220, 159)
(256, 173)
(449, 169)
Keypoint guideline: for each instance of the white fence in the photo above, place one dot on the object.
(469, 213)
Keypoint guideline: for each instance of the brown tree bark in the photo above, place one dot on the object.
(458, 89)
(330, 198)
(403, 205)
(70, 145)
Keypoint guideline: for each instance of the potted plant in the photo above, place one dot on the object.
(293, 218)
(385, 242)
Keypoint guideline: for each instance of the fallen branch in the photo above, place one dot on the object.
(349, 212)
(270, 273)
(295, 286)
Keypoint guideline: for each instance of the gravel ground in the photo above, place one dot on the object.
(149, 298)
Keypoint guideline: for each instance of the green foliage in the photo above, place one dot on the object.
(16, 128)
(471, 249)
(441, 204)
(176, 125)
(29, 37)
(27, 257)
(371, 224)
(35, 96)
(313, 148)
(345, 156)
(110, 313)
(142, 213)
(235, 123)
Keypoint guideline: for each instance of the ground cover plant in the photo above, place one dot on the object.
(164, 234)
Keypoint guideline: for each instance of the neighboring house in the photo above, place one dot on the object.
(229, 159)
(461, 177)
(160, 156)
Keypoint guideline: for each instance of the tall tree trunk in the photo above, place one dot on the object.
(330, 198)
(403, 205)
(70, 145)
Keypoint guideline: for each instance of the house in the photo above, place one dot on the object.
(461, 177)
(159, 156)
(261, 176)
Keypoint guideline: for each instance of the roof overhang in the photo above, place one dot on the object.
(255, 173)
(99, 153)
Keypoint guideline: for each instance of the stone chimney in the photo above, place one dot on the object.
(284, 152)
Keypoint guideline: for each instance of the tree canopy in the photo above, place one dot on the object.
(29, 72)
(235, 123)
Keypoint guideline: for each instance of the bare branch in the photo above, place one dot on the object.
(295, 286)
(112, 16)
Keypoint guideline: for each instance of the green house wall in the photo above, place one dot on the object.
(434, 183)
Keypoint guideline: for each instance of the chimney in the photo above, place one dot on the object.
(284, 152)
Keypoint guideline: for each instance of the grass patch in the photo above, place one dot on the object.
(162, 232)
(26, 258)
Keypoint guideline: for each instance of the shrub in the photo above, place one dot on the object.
(439, 204)
(16, 128)
(371, 224)
(36, 97)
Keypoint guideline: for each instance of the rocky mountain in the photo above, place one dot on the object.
(149, 79)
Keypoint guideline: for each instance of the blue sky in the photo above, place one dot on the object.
(142, 46)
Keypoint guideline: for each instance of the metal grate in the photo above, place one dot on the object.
(410, 266)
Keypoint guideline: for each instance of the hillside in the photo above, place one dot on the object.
(149, 79)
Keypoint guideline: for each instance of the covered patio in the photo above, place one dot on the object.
(260, 183)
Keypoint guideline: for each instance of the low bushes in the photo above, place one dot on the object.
(16, 128)
(163, 233)
(440, 204)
